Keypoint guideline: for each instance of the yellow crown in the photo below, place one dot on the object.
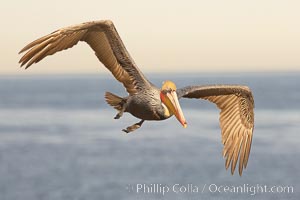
(168, 85)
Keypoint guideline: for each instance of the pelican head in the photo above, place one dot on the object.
(169, 98)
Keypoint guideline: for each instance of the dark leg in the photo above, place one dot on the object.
(120, 113)
(133, 127)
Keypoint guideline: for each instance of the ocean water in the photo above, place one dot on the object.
(59, 141)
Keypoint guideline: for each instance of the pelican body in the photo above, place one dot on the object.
(146, 101)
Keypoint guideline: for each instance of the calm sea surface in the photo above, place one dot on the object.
(59, 141)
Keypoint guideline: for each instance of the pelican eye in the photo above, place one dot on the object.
(169, 90)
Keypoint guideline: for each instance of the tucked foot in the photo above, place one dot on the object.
(133, 127)
(119, 115)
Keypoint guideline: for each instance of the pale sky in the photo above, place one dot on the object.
(161, 36)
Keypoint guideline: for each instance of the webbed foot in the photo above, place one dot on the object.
(119, 115)
(133, 127)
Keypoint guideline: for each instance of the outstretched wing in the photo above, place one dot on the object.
(236, 118)
(103, 38)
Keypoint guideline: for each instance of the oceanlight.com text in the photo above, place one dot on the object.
(247, 189)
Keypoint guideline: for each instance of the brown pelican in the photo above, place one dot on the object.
(147, 102)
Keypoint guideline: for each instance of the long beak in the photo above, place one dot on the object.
(171, 101)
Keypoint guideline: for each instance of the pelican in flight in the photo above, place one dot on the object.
(146, 101)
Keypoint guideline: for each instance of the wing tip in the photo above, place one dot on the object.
(21, 62)
(21, 51)
(24, 49)
(240, 171)
(233, 169)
